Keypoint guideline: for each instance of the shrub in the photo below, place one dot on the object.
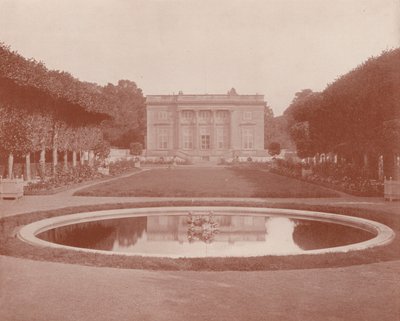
(121, 166)
(274, 149)
(136, 149)
(345, 177)
(64, 177)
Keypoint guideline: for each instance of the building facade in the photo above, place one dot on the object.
(205, 127)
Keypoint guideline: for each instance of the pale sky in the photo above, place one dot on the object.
(270, 47)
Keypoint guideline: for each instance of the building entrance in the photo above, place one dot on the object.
(205, 142)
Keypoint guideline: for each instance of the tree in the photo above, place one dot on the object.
(350, 115)
(39, 135)
(268, 125)
(65, 141)
(300, 117)
(136, 149)
(126, 106)
(274, 148)
(13, 135)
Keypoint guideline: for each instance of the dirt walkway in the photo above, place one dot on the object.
(41, 291)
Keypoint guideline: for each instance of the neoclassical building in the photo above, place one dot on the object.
(205, 127)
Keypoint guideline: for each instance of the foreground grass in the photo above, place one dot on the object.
(12, 246)
(207, 182)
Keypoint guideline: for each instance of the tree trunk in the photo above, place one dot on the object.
(42, 162)
(366, 160)
(73, 158)
(10, 165)
(28, 167)
(91, 158)
(65, 159)
(55, 148)
(55, 160)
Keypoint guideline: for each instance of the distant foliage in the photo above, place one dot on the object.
(356, 116)
(274, 148)
(136, 149)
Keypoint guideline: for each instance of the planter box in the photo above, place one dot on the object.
(11, 188)
(392, 190)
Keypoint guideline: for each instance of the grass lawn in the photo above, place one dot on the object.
(207, 182)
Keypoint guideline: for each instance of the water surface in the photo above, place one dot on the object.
(206, 235)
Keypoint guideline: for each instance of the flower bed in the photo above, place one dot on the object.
(343, 177)
(76, 175)
(122, 166)
(63, 177)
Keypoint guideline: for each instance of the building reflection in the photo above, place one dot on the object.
(259, 233)
(230, 228)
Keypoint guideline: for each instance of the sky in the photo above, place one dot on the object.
(270, 47)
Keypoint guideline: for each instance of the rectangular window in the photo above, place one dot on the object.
(163, 115)
(187, 138)
(222, 114)
(205, 115)
(163, 138)
(247, 138)
(247, 115)
(205, 141)
(187, 114)
(220, 138)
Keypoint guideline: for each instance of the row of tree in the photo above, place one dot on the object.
(357, 116)
(43, 109)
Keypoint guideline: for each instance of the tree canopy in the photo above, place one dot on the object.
(28, 84)
(355, 115)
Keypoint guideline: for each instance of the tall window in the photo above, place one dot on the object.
(247, 138)
(187, 138)
(205, 141)
(205, 138)
(163, 138)
(220, 138)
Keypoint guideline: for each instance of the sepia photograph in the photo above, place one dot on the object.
(202, 160)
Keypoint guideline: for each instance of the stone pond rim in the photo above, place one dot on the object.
(384, 234)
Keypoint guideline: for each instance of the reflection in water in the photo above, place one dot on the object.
(203, 234)
(280, 235)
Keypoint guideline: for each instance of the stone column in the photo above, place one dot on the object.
(196, 133)
(213, 132)
(177, 142)
(231, 129)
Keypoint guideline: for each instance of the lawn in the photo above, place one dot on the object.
(207, 182)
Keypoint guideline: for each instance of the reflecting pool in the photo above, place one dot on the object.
(206, 235)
